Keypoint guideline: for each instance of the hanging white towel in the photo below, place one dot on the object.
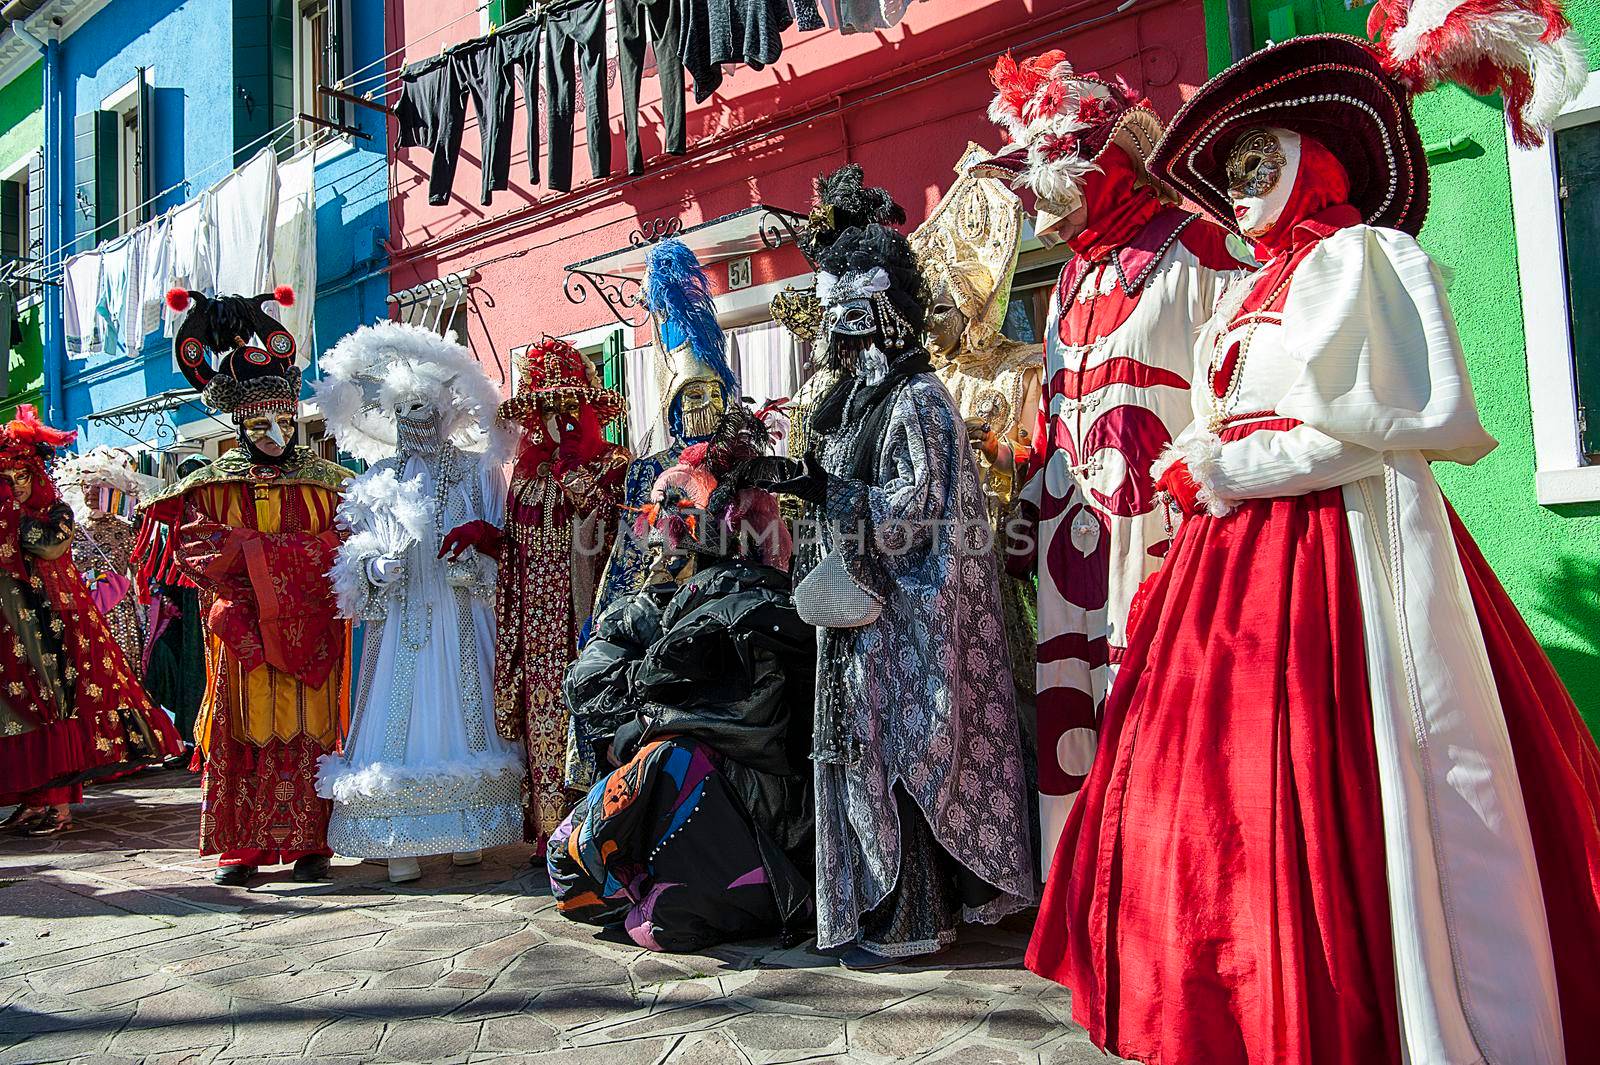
(245, 207)
(121, 281)
(294, 254)
(192, 253)
(153, 285)
(80, 290)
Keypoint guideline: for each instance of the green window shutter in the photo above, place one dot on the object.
(503, 11)
(35, 249)
(252, 74)
(11, 235)
(280, 64)
(94, 192)
(1578, 163)
(613, 374)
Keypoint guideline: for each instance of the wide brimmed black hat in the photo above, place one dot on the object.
(1327, 86)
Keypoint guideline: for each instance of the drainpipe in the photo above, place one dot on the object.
(1241, 34)
(53, 341)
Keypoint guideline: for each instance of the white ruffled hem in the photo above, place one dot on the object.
(1201, 454)
(342, 782)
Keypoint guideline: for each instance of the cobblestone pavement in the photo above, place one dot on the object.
(116, 947)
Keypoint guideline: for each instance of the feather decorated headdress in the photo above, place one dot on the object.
(691, 344)
(1523, 49)
(708, 484)
(1059, 122)
(378, 368)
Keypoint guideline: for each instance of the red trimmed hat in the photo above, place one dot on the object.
(553, 372)
(1331, 87)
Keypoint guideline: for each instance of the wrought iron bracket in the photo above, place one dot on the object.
(623, 296)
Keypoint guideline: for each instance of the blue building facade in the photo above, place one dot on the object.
(148, 104)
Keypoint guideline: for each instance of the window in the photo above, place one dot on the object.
(501, 12)
(316, 63)
(111, 171)
(1555, 194)
(15, 227)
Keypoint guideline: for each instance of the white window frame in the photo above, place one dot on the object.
(306, 46)
(17, 174)
(125, 103)
(1561, 476)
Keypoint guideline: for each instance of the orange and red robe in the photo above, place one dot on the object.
(259, 541)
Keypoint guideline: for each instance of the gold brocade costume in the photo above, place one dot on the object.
(968, 251)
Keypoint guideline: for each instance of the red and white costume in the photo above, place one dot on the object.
(1344, 810)
(1118, 350)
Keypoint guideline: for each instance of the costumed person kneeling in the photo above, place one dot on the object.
(70, 707)
(423, 771)
(254, 530)
(699, 690)
(921, 816)
(1344, 811)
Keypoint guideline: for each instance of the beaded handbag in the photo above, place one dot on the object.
(829, 598)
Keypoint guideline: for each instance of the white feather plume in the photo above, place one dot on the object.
(370, 372)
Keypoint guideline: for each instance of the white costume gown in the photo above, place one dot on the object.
(423, 771)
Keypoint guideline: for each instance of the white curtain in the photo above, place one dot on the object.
(769, 363)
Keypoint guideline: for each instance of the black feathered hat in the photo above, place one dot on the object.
(246, 378)
(844, 201)
(851, 265)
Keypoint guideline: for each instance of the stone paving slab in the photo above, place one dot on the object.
(116, 947)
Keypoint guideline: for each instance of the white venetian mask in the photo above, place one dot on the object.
(1261, 171)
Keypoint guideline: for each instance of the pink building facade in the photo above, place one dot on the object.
(903, 102)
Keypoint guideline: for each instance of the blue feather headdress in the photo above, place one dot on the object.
(678, 293)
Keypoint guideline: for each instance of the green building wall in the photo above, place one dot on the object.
(22, 134)
(1547, 557)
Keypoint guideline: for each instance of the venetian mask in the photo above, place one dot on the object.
(1261, 171)
(1061, 219)
(417, 427)
(270, 433)
(21, 481)
(701, 403)
(668, 564)
(946, 323)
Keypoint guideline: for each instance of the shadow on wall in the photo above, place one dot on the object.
(1569, 601)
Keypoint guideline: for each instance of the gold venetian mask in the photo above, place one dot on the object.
(1255, 164)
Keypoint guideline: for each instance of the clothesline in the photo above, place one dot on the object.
(57, 258)
(496, 225)
(349, 81)
(53, 266)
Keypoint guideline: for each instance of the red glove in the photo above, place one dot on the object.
(479, 535)
(1178, 483)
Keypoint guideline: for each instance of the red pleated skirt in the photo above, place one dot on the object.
(1219, 892)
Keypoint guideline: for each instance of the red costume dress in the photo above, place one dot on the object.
(1343, 810)
(70, 707)
(259, 542)
(1119, 345)
(559, 523)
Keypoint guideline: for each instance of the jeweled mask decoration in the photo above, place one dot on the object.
(1261, 170)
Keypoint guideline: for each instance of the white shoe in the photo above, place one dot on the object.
(466, 858)
(402, 870)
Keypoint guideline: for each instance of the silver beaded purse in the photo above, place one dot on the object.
(829, 598)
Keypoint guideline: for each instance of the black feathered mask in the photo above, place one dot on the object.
(246, 379)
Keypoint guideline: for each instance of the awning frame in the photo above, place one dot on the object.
(617, 276)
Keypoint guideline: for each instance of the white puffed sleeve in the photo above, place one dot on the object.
(1381, 370)
(1383, 365)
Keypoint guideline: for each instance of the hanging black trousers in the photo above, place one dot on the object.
(431, 112)
(574, 44)
(661, 21)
